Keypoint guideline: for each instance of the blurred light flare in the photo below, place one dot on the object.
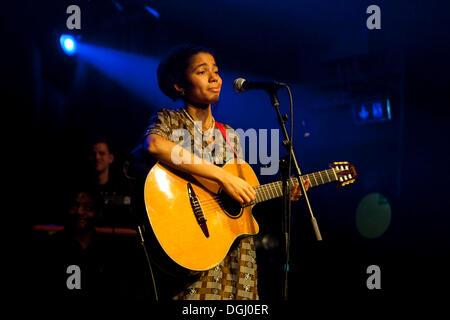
(68, 44)
(152, 11)
(373, 215)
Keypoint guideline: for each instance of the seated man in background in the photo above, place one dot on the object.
(80, 262)
(112, 186)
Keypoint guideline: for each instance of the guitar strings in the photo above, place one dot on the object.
(268, 191)
(273, 189)
(215, 202)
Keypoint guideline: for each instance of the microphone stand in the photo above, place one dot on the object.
(285, 173)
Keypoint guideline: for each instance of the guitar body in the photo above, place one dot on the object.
(195, 222)
(175, 225)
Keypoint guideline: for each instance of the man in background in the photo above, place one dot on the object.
(111, 184)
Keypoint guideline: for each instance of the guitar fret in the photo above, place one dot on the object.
(257, 197)
(269, 196)
(262, 193)
(313, 184)
(290, 184)
(320, 175)
(331, 173)
(272, 189)
(335, 175)
(328, 175)
(258, 194)
(324, 174)
(295, 181)
(315, 179)
(305, 177)
(267, 192)
(278, 190)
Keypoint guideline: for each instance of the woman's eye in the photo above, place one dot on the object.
(203, 72)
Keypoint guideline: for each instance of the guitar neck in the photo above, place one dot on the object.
(275, 189)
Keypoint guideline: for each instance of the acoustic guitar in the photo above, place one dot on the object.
(196, 222)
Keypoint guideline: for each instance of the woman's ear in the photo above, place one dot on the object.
(179, 89)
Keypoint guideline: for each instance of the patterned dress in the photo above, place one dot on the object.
(235, 277)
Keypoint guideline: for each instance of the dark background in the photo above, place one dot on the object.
(324, 51)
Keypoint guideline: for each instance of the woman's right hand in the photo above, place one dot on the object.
(237, 188)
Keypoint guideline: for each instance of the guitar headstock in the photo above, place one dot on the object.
(345, 172)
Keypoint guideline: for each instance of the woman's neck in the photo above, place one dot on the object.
(202, 114)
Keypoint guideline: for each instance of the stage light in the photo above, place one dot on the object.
(68, 44)
(152, 11)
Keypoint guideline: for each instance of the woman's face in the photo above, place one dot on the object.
(203, 80)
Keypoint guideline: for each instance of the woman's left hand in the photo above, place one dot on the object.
(297, 191)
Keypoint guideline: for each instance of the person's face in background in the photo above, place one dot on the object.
(101, 158)
(82, 212)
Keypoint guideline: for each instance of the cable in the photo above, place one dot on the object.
(290, 155)
(149, 263)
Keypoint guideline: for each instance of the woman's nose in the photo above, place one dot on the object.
(213, 77)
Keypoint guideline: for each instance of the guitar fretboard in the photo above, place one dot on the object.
(275, 189)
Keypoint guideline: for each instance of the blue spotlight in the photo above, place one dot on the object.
(152, 11)
(68, 44)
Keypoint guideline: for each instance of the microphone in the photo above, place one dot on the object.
(241, 85)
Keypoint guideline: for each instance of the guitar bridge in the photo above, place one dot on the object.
(198, 212)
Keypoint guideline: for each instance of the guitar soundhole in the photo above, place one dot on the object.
(229, 205)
